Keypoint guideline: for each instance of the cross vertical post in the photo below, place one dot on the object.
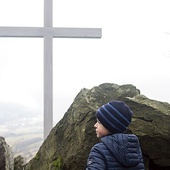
(48, 70)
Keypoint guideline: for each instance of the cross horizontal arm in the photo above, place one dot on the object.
(54, 32)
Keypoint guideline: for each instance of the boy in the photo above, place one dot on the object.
(117, 150)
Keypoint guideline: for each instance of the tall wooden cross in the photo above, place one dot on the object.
(48, 32)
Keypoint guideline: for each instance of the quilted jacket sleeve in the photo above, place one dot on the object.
(96, 159)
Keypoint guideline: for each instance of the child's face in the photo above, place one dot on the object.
(100, 129)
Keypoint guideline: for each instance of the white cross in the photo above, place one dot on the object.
(48, 32)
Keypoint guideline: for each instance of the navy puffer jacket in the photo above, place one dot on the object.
(116, 152)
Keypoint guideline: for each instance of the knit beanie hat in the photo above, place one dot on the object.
(115, 116)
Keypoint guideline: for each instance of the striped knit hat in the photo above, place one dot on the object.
(115, 116)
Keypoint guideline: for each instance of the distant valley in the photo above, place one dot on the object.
(22, 129)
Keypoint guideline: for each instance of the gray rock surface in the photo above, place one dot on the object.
(6, 156)
(69, 142)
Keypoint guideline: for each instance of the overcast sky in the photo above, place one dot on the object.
(134, 49)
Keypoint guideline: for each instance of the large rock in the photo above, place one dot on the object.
(69, 142)
(6, 156)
